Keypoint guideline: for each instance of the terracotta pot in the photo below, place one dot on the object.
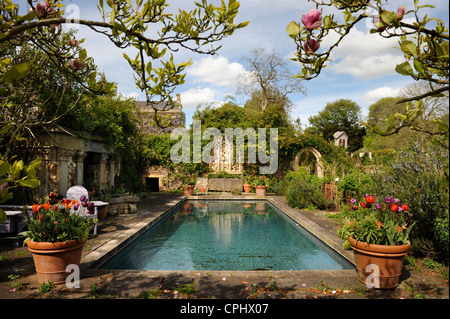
(389, 260)
(188, 190)
(247, 188)
(102, 212)
(260, 190)
(51, 259)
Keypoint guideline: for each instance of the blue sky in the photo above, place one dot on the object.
(362, 69)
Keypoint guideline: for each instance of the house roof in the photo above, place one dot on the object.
(339, 134)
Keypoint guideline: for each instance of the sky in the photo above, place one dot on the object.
(362, 70)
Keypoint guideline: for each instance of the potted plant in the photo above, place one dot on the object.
(57, 232)
(261, 183)
(188, 182)
(247, 183)
(379, 236)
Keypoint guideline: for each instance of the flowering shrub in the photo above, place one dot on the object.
(261, 180)
(189, 179)
(373, 222)
(420, 178)
(59, 219)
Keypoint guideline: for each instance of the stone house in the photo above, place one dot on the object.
(341, 139)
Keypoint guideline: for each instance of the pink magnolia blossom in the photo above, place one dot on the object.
(311, 46)
(400, 12)
(41, 8)
(312, 20)
(76, 64)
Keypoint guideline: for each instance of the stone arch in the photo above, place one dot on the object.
(319, 169)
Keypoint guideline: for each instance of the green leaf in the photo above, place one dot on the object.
(293, 29)
(31, 183)
(17, 72)
(4, 168)
(389, 17)
(419, 66)
(409, 48)
(404, 69)
(327, 22)
(3, 216)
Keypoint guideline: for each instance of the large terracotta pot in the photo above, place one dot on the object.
(247, 188)
(389, 260)
(188, 190)
(260, 190)
(102, 212)
(51, 259)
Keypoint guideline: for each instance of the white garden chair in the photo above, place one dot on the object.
(76, 192)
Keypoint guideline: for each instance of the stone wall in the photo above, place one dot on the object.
(64, 163)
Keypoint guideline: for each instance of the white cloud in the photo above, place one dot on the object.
(193, 97)
(363, 55)
(379, 93)
(216, 70)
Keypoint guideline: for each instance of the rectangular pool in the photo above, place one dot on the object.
(227, 235)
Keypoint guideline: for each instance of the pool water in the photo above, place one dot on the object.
(227, 235)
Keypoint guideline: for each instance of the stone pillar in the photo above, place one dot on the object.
(112, 174)
(102, 172)
(63, 171)
(80, 167)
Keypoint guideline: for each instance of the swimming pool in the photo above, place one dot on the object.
(227, 235)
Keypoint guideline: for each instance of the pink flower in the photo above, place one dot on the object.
(400, 12)
(312, 20)
(41, 8)
(74, 42)
(311, 46)
(76, 64)
(379, 24)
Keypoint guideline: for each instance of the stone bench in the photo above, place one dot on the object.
(224, 184)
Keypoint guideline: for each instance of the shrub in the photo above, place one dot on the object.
(418, 177)
(305, 191)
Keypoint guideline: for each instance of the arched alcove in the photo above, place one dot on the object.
(306, 154)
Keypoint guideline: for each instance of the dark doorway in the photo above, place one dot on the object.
(152, 184)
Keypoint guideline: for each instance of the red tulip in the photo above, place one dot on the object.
(363, 204)
(393, 207)
(370, 199)
(405, 207)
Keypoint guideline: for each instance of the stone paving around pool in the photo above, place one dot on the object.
(116, 231)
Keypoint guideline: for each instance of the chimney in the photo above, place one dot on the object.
(179, 101)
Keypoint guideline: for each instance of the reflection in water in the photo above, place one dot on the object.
(226, 235)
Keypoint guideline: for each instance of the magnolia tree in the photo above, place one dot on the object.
(145, 25)
(142, 24)
(424, 43)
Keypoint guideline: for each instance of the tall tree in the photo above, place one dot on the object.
(341, 115)
(269, 81)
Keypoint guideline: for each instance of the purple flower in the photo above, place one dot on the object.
(388, 199)
(75, 207)
(396, 200)
(378, 206)
(91, 206)
(353, 200)
(83, 199)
